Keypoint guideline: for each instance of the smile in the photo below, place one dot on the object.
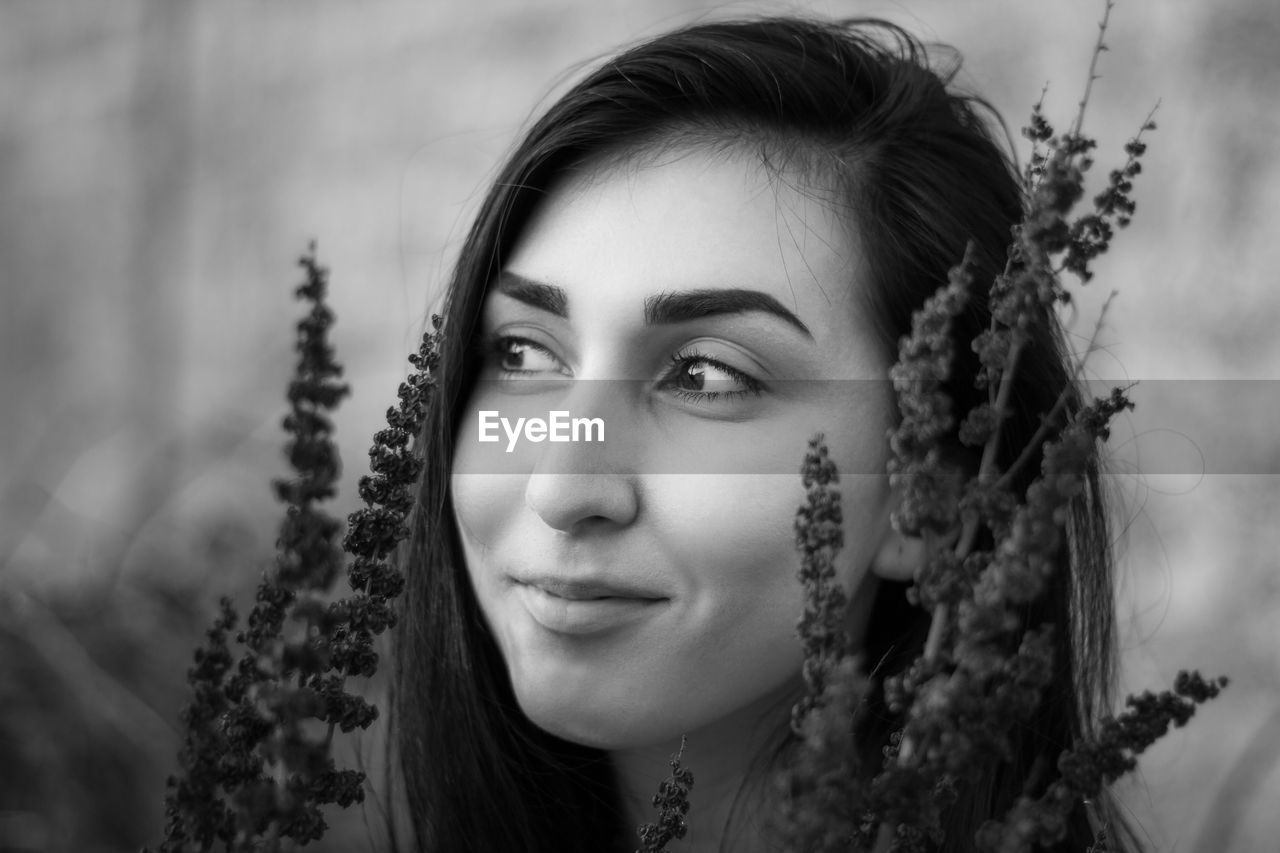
(582, 609)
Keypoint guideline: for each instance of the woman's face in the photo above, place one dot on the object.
(708, 314)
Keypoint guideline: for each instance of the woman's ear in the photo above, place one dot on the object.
(898, 557)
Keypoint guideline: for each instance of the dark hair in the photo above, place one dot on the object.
(921, 175)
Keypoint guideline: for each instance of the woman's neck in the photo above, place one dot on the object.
(721, 757)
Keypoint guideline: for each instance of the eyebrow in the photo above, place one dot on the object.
(660, 309)
(546, 297)
(696, 304)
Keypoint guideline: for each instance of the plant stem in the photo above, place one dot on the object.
(1047, 422)
(986, 470)
(884, 838)
(1098, 48)
(991, 450)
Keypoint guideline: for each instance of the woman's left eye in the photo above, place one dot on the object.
(700, 378)
(516, 357)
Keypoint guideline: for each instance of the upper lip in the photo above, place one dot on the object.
(584, 589)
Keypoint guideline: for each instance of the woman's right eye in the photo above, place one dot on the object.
(515, 357)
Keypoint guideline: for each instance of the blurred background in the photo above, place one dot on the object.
(163, 164)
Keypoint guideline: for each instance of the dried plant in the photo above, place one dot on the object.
(980, 676)
(672, 803)
(256, 763)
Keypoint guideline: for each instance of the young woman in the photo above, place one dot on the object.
(711, 246)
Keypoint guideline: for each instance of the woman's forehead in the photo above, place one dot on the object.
(789, 158)
(690, 216)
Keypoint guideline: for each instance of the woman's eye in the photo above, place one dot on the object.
(516, 357)
(697, 377)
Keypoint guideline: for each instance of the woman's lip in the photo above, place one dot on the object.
(579, 616)
(586, 590)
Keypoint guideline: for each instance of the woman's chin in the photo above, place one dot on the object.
(584, 733)
(593, 724)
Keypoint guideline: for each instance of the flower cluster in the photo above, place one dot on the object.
(992, 549)
(256, 764)
(672, 803)
(1089, 767)
(819, 812)
(819, 536)
(377, 529)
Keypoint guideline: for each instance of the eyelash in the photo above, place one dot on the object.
(496, 348)
(751, 386)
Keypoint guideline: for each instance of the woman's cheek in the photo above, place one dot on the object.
(484, 506)
(731, 532)
(475, 499)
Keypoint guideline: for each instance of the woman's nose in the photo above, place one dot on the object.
(571, 503)
(590, 480)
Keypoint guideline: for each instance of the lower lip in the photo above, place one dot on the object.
(582, 616)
